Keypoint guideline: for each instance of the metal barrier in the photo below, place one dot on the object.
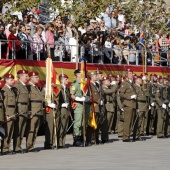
(94, 52)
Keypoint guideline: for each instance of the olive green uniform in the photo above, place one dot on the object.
(141, 107)
(10, 109)
(160, 111)
(2, 114)
(22, 108)
(78, 111)
(36, 108)
(129, 105)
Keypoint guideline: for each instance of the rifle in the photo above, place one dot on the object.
(151, 95)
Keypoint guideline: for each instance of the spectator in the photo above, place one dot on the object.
(25, 19)
(33, 25)
(114, 21)
(49, 34)
(38, 45)
(4, 44)
(14, 44)
(23, 38)
(70, 30)
(106, 18)
(30, 44)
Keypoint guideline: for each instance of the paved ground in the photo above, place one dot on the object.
(152, 154)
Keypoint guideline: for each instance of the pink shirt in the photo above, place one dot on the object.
(49, 38)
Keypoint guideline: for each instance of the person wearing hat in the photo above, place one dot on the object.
(160, 98)
(152, 89)
(128, 96)
(109, 100)
(100, 117)
(22, 109)
(78, 99)
(141, 108)
(9, 101)
(145, 87)
(35, 110)
(64, 111)
(112, 116)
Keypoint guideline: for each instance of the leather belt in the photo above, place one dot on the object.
(36, 101)
(79, 102)
(12, 106)
(24, 103)
(141, 101)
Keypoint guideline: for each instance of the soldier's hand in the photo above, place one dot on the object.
(133, 96)
(169, 105)
(101, 102)
(87, 99)
(152, 104)
(149, 107)
(52, 105)
(122, 110)
(7, 118)
(164, 106)
(64, 105)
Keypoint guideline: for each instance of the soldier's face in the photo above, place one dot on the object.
(130, 75)
(107, 83)
(139, 81)
(24, 78)
(65, 81)
(34, 79)
(10, 82)
(94, 77)
(99, 76)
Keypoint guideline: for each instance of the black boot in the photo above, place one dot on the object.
(77, 141)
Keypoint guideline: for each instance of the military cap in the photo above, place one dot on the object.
(92, 73)
(33, 74)
(129, 70)
(117, 76)
(143, 74)
(137, 77)
(153, 75)
(9, 76)
(99, 72)
(134, 75)
(63, 76)
(159, 77)
(22, 72)
(110, 75)
(77, 71)
(105, 78)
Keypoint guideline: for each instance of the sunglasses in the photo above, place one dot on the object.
(34, 22)
(25, 17)
(28, 29)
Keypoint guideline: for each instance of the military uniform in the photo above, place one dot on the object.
(126, 91)
(36, 108)
(49, 117)
(160, 110)
(63, 119)
(141, 108)
(22, 109)
(2, 116)
(78, 116)
(109, 98)
(10, 109)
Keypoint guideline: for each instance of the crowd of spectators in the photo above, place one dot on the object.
(110, 38)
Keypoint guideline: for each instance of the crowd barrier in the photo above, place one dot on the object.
(153, 56)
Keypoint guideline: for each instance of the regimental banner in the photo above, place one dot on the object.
(12, 66)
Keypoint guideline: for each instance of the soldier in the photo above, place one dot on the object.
(9, 99)
(128, 95)
(22, 109)
(78, 99)
(141, 107)
(36, 109)
(64, 107)
(160, 97)
(153, 104)
(109, 100)
(145, 85)
(50, 118)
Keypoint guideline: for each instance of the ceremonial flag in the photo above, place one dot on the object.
(92, 122)
(83, 84)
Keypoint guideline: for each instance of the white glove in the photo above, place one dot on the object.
(164, 106)
(137, 110)
(101, 102)
(133, 96)
(52, 105)
(153, 104)
(122, 109)
(144, 78)
(80, 99)
(149, 108)
(113, 83)
(169, 105)
(64, 105)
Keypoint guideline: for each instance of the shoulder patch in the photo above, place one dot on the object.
(72, 88)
